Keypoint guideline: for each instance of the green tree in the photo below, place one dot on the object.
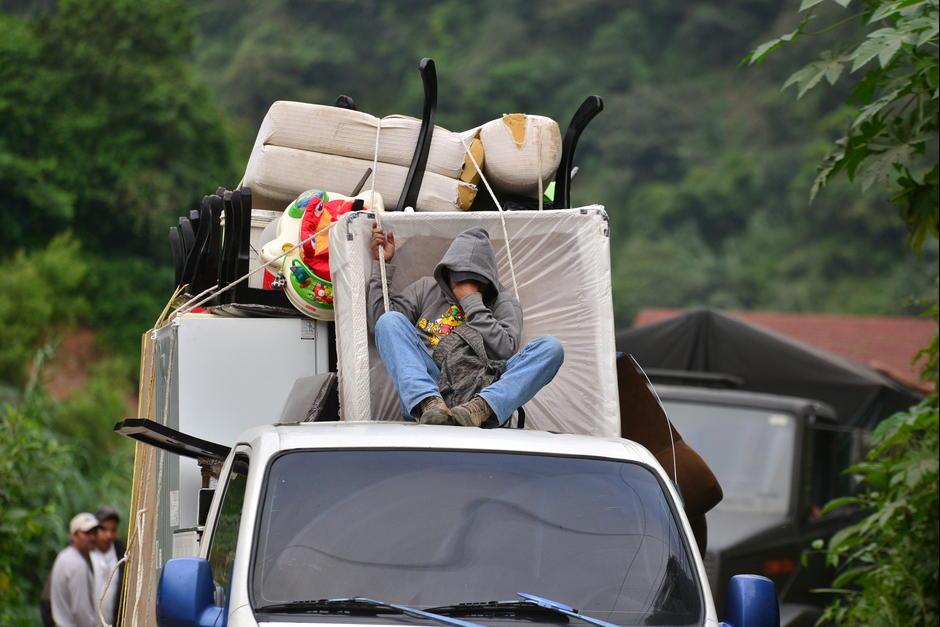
(892, 140)
(47, 477)
(42, 293)
(684, 148)
(106, 131)
(57, 457)
(888, 562)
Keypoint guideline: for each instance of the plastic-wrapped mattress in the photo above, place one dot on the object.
(277, 175)
(519, 148)
(562, 263)
(348, 133)
(304, 146)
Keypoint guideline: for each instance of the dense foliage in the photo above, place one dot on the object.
(703, 166)
(888, 561)
(57, 457)
(106, 134)
(892, 140)
(45, 478)
(105, 128)
(117, 115)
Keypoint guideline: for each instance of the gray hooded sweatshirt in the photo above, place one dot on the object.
(432, 307)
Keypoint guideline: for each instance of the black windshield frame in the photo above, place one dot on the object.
(684, 539)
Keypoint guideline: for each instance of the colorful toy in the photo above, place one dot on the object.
(304, 272)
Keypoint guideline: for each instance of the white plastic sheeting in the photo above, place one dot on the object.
(277, 175)
(347, 133)
(562, 263)
(519, 148)
(304, 146)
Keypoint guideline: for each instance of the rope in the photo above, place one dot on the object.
(672, 443)
(538, 141)
(502, 219)
(141, 521)
(114, 570)
(138, 490)
(212, 292)
(161, 463)
(378, 221)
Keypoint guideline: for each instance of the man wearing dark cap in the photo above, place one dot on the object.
(72, 582)
(451, 342)
(104, 557)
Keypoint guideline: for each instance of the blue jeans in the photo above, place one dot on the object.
(407, 359)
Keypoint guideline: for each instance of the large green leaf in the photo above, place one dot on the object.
(839, 503)
(883, 43)
(809, 76)
(881, 167)
(887, 9)
(761, 51)
(848, 577)
(869, 111)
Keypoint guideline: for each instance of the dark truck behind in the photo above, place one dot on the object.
(778, 461)
(736, 393)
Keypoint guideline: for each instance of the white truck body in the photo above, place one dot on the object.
(261, 444)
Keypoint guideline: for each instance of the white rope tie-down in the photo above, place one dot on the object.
(672, 442)
(210, 293)
(207, 295)
(378, 220)
(538, 138)
(502, 219)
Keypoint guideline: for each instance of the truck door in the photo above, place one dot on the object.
(224, 539)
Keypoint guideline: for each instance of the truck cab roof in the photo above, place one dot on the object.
(815, 410)
(271, 439)
(320, 460)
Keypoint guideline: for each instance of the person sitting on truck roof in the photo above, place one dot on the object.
(455, 336)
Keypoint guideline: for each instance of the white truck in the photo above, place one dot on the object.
(346, 516)
(377, 523)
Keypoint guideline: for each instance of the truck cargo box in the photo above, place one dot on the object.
(562, 267)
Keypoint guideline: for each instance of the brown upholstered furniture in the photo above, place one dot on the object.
(644, 421)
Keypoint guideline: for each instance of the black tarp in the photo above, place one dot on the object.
(707, 340)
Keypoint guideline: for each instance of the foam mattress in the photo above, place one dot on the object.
(519, 148)
(347, 133)
(562, 263)
(277, 175)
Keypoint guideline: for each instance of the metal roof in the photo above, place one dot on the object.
(736, 398)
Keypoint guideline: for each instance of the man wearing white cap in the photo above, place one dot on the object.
(72, 582)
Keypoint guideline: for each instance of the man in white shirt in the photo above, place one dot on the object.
(104, 557)
(72, 582)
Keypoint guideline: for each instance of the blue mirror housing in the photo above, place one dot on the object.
(186, 595)
(751, 602)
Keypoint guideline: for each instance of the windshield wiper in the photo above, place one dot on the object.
(359, 604)
(530, 604)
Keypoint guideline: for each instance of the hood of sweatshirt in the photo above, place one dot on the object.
(470, 251)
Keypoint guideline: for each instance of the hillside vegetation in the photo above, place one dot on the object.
(704, 167)
(116, 116)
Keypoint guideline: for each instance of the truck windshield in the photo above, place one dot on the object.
(433, 528)
(749, 450)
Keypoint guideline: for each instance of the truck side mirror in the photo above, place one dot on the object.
(751, 602)
(186, 595)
